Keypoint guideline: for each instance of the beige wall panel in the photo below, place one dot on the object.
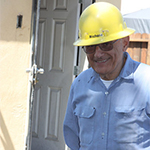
(117, 3)
(14, 59)
(13, 94)
(9, 10)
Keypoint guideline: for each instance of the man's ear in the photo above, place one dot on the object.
(125, 43)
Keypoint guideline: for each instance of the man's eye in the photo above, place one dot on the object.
(91, 46)
(105, 44)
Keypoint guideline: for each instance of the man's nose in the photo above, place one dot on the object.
(98, 52)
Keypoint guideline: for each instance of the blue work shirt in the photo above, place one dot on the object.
(117, 118)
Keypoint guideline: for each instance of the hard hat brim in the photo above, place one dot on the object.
(103, 39)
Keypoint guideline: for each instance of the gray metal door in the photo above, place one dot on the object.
(57, 32)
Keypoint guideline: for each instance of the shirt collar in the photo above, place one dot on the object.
(129, 68)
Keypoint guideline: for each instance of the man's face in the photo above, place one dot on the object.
(108, 64)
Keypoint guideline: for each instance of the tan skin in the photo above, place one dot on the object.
(108, 64)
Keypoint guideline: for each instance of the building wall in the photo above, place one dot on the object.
(117, 3)
(14, 59)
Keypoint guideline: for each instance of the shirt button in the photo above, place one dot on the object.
(106, 93)
(103, 134)
(104, 113)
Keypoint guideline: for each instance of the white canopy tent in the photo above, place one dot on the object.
(139, 20)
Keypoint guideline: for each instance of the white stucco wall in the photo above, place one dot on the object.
(14, 59)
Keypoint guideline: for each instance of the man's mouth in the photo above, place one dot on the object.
(102, 61)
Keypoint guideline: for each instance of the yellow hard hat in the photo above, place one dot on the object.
(99, 23)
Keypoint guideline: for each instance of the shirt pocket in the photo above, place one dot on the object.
(86, 121)
(129, 124)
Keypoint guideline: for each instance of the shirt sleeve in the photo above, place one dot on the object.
(70, 126)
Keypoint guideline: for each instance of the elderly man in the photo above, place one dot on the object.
(109, 104)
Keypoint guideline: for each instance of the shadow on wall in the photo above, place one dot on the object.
(5, 137)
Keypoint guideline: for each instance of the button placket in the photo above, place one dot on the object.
(105, 116)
